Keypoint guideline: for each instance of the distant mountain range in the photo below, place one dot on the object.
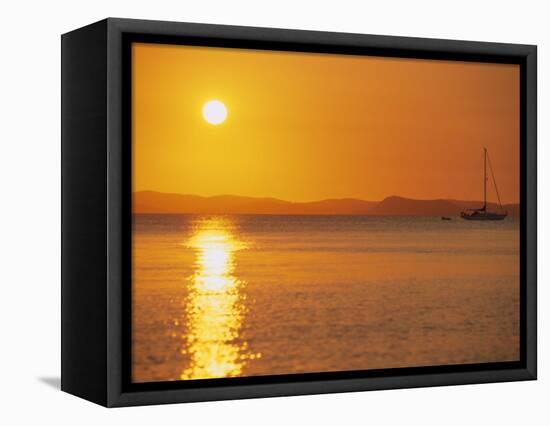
(399, 206)
(159, 202)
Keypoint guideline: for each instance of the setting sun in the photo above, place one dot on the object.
(214, 112)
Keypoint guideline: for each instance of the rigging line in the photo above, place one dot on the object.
(494, 180)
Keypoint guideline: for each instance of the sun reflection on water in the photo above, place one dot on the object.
(215, 308)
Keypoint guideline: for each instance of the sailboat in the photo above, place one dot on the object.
(482, 213)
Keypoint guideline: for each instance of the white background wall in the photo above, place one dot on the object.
(30, 211)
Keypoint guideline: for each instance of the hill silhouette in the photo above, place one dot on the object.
(400, 206)
(158, 202)
(410, 207)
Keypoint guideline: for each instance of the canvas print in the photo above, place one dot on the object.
(301, 212)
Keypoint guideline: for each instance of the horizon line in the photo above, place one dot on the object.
(322, 199)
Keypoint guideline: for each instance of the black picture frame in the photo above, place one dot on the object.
(96, 212)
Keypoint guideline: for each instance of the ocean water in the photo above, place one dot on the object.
(243, 295)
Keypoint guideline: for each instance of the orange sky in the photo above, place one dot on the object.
(305, 126)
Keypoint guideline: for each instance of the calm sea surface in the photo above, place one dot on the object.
(223, 296)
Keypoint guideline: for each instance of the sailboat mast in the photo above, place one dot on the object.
(484, 178)
(483, 213)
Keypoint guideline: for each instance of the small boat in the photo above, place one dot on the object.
(482, 213)
(445, 218)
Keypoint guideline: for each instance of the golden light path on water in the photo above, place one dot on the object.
(215, 308)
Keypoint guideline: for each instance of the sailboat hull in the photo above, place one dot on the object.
(484, 216)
